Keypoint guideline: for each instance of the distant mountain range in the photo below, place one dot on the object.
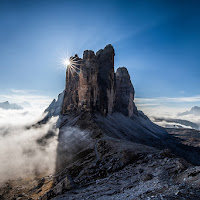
(194, 110)
(10, 106)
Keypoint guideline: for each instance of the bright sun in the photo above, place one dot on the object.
(66, 62)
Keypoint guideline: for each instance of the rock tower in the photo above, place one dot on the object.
(93, 86)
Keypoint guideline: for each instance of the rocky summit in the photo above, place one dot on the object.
(92, 85)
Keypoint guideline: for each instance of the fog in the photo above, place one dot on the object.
(170, 113)
(24, 149)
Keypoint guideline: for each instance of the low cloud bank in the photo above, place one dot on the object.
(173, 123)
(170, 113)
(25, 149)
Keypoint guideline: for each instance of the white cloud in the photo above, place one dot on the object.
(183, 99)
(146, 104)
(20, 152)
(31, 96)
(22, 91)
(169, 99)
(168, 107)
(20, 117)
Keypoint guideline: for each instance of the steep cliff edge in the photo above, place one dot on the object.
(92, 85)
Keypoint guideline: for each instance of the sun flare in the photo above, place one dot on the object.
(72, 64)
(66, 62)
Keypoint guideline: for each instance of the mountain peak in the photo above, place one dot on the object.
(92, 85)
(194, 110)
(6, 105)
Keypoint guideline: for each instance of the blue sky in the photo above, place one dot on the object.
(158, 42)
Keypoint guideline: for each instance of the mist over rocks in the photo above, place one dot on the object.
(22, 153)
(175, 123)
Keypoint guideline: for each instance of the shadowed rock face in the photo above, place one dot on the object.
(125, 92)
(106, 79)
(92, 85)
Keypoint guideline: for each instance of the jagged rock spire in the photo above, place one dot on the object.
(92, 85)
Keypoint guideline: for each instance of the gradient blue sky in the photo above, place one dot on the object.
(158, 41)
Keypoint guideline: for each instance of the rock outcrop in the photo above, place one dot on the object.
(124, 92)
(93, 86)
(55, 108)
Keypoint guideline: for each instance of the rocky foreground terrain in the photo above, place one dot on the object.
(107, 149)
(115, 169)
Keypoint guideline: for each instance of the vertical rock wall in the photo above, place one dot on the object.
(71, 99)
(87, 86)
(106, 79)
(124, 93)
(92, 85)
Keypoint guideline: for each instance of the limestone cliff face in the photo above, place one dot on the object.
(106, 79)
(93, 86)
(125, 92)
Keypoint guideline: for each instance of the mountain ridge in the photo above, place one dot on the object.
(13, 106)
(194, 110)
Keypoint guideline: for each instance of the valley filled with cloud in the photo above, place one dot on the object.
(22, 151)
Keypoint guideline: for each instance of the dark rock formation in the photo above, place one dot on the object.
(55, 107)
(92, 85)
(125, 92)
(106, 79)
